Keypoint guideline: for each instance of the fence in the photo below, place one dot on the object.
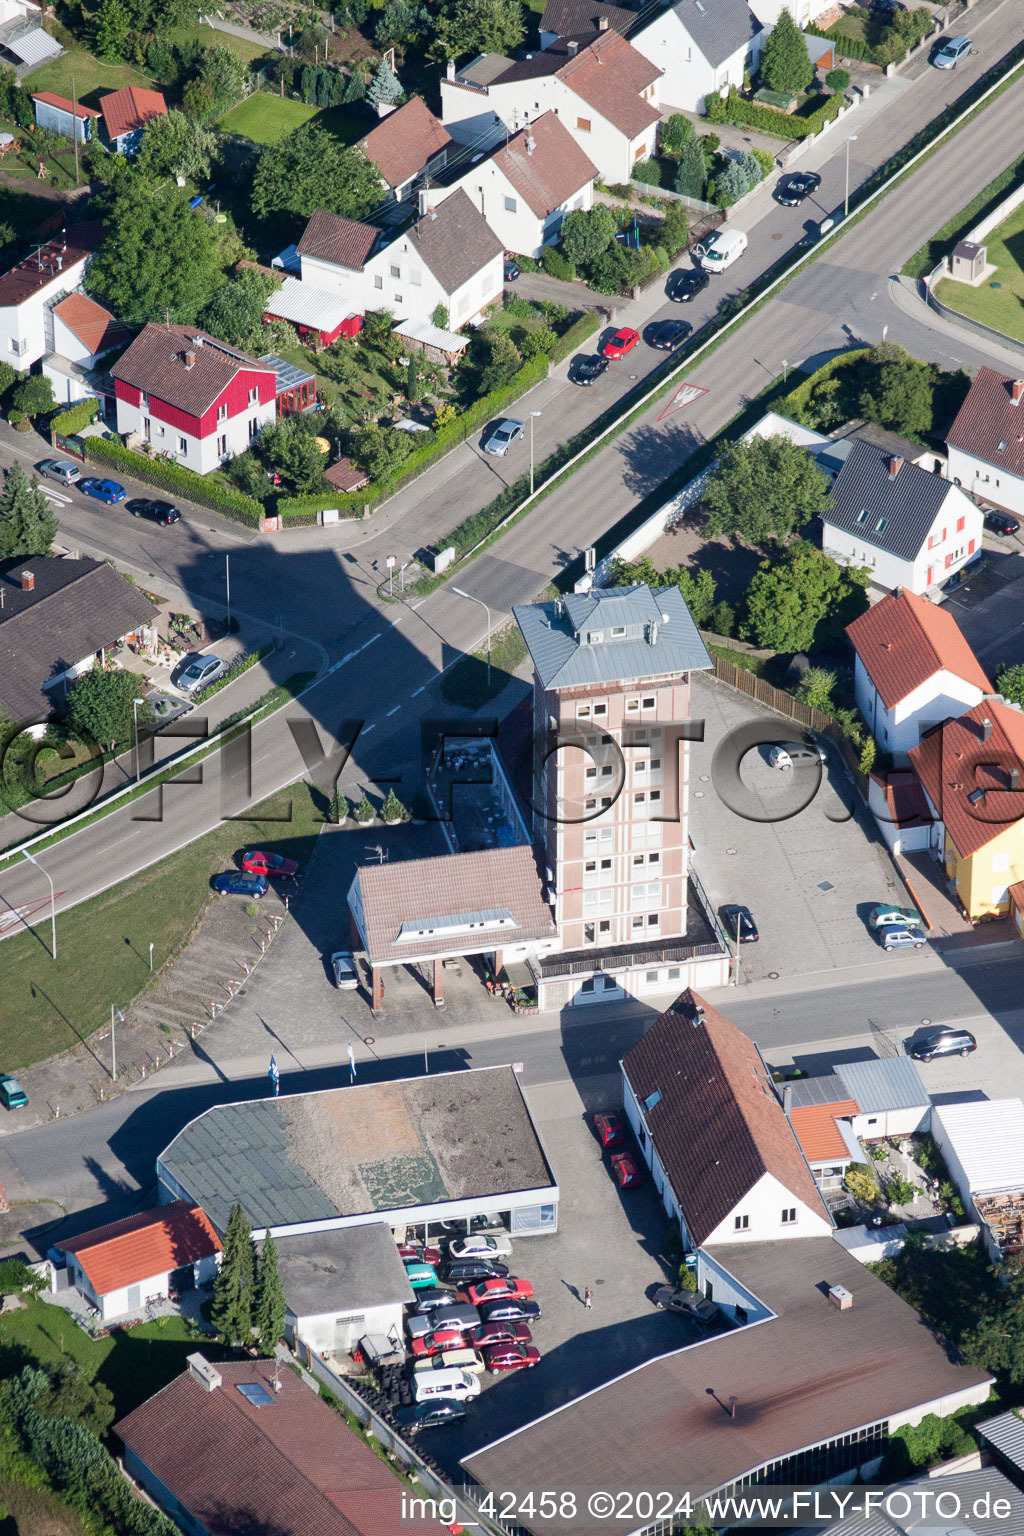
(935, 276)
(691, 204)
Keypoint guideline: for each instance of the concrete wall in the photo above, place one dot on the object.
(340, 1332)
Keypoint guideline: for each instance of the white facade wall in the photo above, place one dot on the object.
(897, 839)
(67, 344)
(802, 11)
(398, 279)
(22, 326)
(942, 1407)
(508, 213)
(951, 547)
(68, 386)
(201, 454)
(715, 1282)
(892, 1122)
(990, 481)
(762, 1208)
(689, 78)
(898, 729)
(131, 1298)
(340, 1332)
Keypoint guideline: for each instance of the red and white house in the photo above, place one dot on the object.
(194, 398)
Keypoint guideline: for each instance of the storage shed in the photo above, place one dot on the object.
(983, 1144)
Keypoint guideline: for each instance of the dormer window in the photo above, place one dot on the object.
(1001, 448)
(618, 630)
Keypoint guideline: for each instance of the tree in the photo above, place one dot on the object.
(309, 170)
(101, 707)
(385, 88)
(268, 1313)
(231, 1311)
(503, 362)
(676, 132)
(697, 587)
(355, 90)
(804, 599)
(785, 63)
(401, 24)
(225, 74)
(479, 26)
(33, 395)
(901, 396)
(71, 1395)
(393, 809)
(586, 233)
(815, 688)
(113, 30)
(198, 99)
(692, 175)
(380, 450)
(440, 317)
(176, 145)
(158, 255)
(996, 1341)
(1010, 683)
(837, 79)
(28, 525)
(289, 444)
(731, 183)
(762, 489)
(675, 228)
(363, 812)
(235, 313)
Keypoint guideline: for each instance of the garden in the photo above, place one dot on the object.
(878, 36)
(999, 301)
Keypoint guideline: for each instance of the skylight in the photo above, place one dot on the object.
(881, 524)
(253, 1393)
(651, 1100)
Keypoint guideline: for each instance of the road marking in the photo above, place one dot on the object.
(395, 622)
(367, 729)
(419, 604)
(368, 643)
(393, 711)
(418, 692)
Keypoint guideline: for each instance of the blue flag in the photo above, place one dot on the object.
(274, 1075)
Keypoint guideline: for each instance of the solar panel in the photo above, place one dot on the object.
(253, 1393)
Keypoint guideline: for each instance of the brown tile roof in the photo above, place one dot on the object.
(904, 798)
(415, 890)
(806, 1375)
(64, 104)
(345, 476)
(291, 1465)
(904, 640)
(155, 362)
(578, 18)
(140, 1247)
(95, 327)
(1017, 895)
(718, 1126)
(817, 1132)
(130, 108)
(76, 607)
(955, 761)
(989, 418)
(343, 242)
(554, 169)
(610, 75)
(405, 141)
(456, 242)
(45, 266)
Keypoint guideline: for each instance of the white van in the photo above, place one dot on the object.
(447, 1383)
(452, 1359)
(721, 249)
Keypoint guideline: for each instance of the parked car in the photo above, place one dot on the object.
(499, 1333)
(797, 188)
(458, 1357)
(234, 883)
(626, 1170)
(454, 1315)
(586, 369)
(795, 754)
(511, 1357)
(433, 1415)
(721, 249)
(609, 1128)
(436, 1296)
(497, 1288)
(684, 285)
(738, 923)
(500, 436)
(623, 341)
(102, 490)
(495, 1242)
(670, 1298)
(274, 865)
(466, 1271)
(424, 1252)
(198, 671)
(902, 938)
(998, 522)
(883, 915)
(421, 1277)
(436, 1341)
(511, 270)
(952, 52)
(344, 973)
(162, 512)
(666, 335)
(943, 1042)
(12, 1094)
(61, 470)
(511, 1311)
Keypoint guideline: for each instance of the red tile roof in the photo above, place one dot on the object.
(987, 419)
(718, 1126)
(904, 640)
(817, 1132)
(545, 164)
(904, 798)
(291, 1465)
(611, 75)
(345, 476)
(404, 141)
(156, 363)
(64, 104)
(95, 327)
(143, 1246)
(1017, 895)
(130, 108)
(343, 242)
(955, 760)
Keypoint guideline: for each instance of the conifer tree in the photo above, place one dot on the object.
(234, 1289)
(270, 1306)
(28, 525)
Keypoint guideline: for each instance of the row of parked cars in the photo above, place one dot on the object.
(109, 491)
(256, 869)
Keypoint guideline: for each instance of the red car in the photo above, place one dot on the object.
(489, 1334)
(500, 1288)
(622, 342)
(419, 1253)
(511, 1357)
(441, 1338)
(273, 865)
(625, 1170)
(609, 1130)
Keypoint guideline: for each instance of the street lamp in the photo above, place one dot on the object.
(390, 563)
(459, 593)
(785, 369)
(850, 139)
(532, 415)
(135, 723)
(116, 1017)
(53, 902)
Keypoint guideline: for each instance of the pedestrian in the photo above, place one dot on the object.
(587, 1298)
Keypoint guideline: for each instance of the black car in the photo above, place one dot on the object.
(510, 1311)
(429, 1415)
(668, 334)
(998, 522)
(586, 369)
(431, 1296)
(684, 285)
(511, 270)
(738, 923)
(797, 188)
(157, 511)
(943, 1042)
(468, 1271)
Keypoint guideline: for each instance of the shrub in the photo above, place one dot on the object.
(722, 618)
(687, 1277)
(393, 809)
(749, 114)
(556, 264)
(338, 807)
(815, 688)
(837, 79)
(648, 171)
(75, 417)
(715, 109)
(861, 1183)
(440, 317)
(949, 1196)
(675, 131)
(868, 755)
(576, 335)
(363, 812)
(174, 477)
(766, 162)
(900, 1191)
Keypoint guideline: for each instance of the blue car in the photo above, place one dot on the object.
(234, 883)
(102, 490)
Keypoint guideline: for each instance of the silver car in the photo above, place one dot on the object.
(199, 671)
(952, 52)
(61, 470)
(499, 437)
(343, 969)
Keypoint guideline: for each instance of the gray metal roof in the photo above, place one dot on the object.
(659, 639)
(1006, 1434)
(976, 1491)
(891, 512)
(346, 1270)
(719, 28)
(814, 1090)
(894, 1083)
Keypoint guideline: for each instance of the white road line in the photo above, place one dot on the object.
(368, 643)
(393, 711)
(419, 604)
(417, 693)
(367, 729)
(395, 622)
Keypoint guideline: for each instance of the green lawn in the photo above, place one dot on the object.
(1000, 307)
(103, 944)
(93, 77)
(266, 119)
(211, 37)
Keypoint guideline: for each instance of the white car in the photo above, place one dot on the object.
(343, 969)
(795, 753)
(480, 1244)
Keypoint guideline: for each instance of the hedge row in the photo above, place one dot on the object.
(586, 325)
(846, 47)
(75, 417)
(174, 477)
(748, 114)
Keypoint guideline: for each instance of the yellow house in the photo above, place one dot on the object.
(972, 771)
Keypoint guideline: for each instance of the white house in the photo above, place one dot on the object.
(82, 332)
(605, 92)
(525, 189)
(22, 34)
(912, 669)
(723, 1156)
(910, 528)
(406, 145)
(703, 49)
(121, 1267)
(986, 441)
(197, 400)
(341, 1285)
(27, 291)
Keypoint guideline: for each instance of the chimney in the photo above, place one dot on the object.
(450, 71)
(189, 359)
(531, 143)
(28, 581)
(602, 23)
(1017, 391)
(787, 1098)
(60, 263)
(895, 465)
(572, 47)
(840, 1297)
(1015, 778)
(207, 1376)
(986, 729)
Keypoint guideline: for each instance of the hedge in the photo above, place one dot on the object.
(586, 325)
(75, 417)
(174, 477)
(846, 47)
(748, 114)
(889, 50)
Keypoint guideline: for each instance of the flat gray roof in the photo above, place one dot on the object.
(342, 1270)
(890, 1083)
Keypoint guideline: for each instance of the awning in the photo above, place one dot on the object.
(33, 47)
(519, 973)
